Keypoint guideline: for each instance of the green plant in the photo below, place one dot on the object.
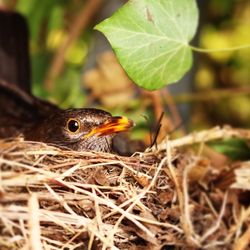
(151, 40)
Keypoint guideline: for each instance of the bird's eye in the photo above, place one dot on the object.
(73, 125)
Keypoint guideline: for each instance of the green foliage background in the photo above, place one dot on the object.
(224, 23)
(49, 23)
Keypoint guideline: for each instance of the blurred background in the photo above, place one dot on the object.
(73, 65)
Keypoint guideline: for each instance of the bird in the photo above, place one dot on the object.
(82, 129)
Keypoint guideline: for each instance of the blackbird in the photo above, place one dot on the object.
(38, 120)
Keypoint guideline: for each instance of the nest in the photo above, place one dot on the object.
(170, 196)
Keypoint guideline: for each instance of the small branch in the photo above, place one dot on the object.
(216, 226)
(34, 224)
(172, 108)
(77, 27)
(204, 136)
(243, 241)
(158, 107)
(186, 219)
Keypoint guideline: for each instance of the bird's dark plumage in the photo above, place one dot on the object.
(37, 120)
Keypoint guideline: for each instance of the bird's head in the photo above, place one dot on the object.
(81, 129)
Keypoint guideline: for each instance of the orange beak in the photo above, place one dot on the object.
(114, 125)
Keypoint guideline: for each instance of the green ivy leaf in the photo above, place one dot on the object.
(151, 39)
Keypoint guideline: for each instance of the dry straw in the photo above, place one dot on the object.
(171, 195)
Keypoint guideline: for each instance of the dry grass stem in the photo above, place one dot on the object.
(57, 199)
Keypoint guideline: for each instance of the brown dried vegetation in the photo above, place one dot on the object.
(172, 195)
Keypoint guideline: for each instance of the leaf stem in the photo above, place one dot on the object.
(202, 50)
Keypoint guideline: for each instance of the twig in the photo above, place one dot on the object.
(186, 216)
(158, 108)
(211, 230)
(182, 194)
(204, 136)
(77, 27)
(34, 225)
(111, 205)
(172, 108)
(140, 196)
(243, 241)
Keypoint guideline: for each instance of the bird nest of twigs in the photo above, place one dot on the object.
(170, 197)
